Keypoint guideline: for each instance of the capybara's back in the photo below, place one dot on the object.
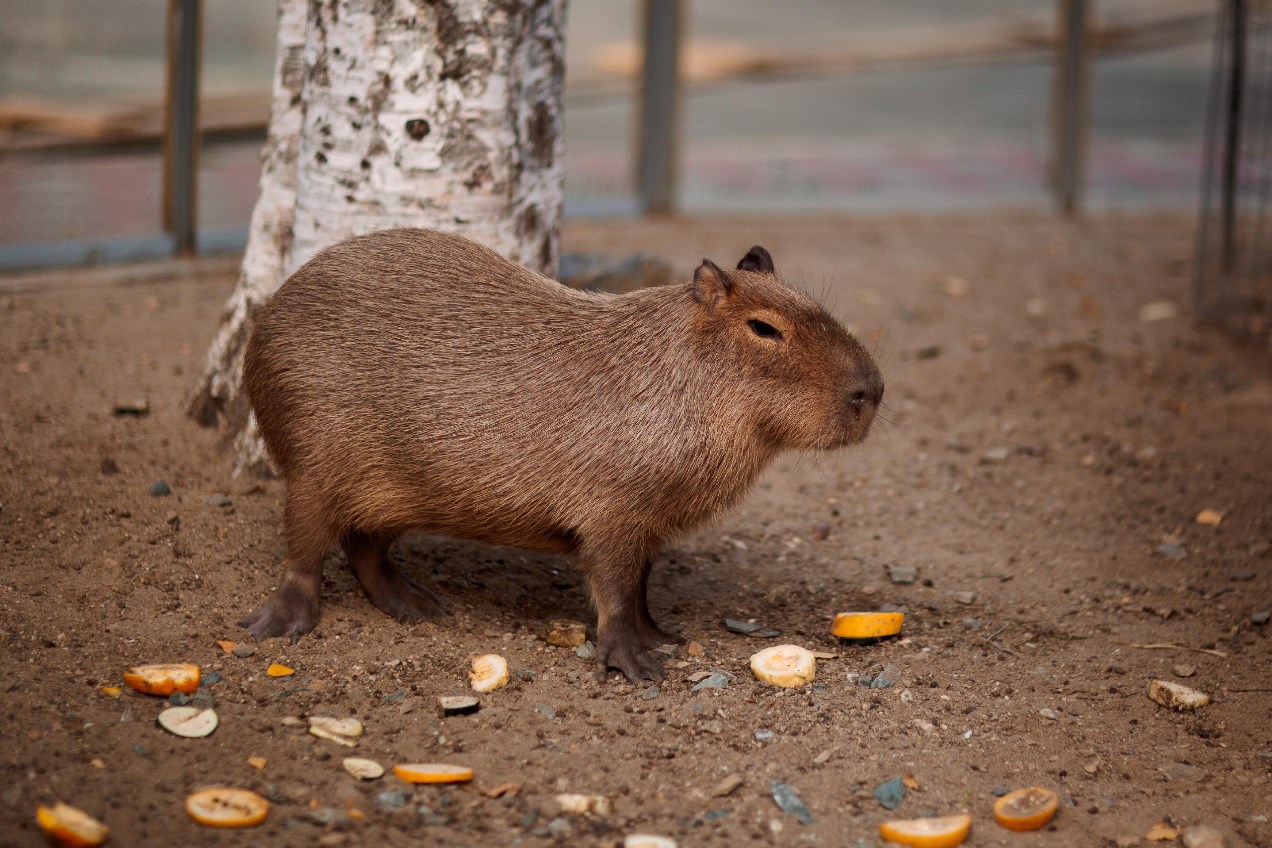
(414, 381)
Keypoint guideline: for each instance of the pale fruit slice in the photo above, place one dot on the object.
(363, 769)
(432, 773)
(488, 673)
(163, 678)
(190, 722)
(1026, 809)
(1176, 696)
(784, 665)
(70, 827)
(224, 806)
(645, 840)
(344, 731)
(942, 832)
(867, 625)
(579, 805)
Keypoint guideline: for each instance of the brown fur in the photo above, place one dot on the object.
(414, 381)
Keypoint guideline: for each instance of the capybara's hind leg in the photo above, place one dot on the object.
(651, 635)
(386, 586)
(292, 610)
(615, 579)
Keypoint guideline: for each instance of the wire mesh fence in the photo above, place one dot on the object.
(1233, 271)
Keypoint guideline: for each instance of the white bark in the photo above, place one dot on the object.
(442, 114)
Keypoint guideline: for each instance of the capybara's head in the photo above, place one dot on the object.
(798, 376)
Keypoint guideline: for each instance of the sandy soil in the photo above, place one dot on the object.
(1037, 563)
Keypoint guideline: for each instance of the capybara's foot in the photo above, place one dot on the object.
(652, 636)
(292, 611)
(403, 598)
(626, 654)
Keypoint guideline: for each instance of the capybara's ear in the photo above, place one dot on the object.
(757, 259)
(710, 284)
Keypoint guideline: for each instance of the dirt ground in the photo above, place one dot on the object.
(1046, 456)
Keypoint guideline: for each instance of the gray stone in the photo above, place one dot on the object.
(219, 500)
(1260, 617)
(545, 711)
(1182, 771)
(160, 489)
(902, 575)
(788, 802)
(890, 793)
(746, 628)
(651, 693)
(392, 800)
(714, 680)
(1172, 550)
(1204, 836)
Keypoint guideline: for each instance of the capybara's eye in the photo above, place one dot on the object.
(764, 331)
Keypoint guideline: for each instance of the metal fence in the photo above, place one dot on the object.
(1233, 270)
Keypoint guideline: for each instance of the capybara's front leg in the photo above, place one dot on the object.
(292, 610)
(615, 579)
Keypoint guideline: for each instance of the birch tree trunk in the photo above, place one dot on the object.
(386, 113)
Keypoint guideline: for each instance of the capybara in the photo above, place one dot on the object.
(414, 381)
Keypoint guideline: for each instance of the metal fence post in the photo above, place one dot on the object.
(1071, 103)
(181, 123)
(659, 106)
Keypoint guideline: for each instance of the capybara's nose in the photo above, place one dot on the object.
(869, 392)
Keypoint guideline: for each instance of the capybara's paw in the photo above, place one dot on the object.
(406, 600)
(652, 636)
(290, 612)
(626, 655)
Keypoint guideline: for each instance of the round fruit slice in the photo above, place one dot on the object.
(1026, 809)
(784, 665)
(190, 722)
(70, 827)
(867, 625)
(164, 678)
(363, 769)
(432, 773)
(489, 672)
(224, 806)
(942, 832)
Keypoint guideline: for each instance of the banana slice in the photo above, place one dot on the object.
(70, 827)
(343, 731)
(432, 773)
(224, 806)
(784, 665)
(646, 840)
(164, 678)
(190, 722)
(488, 673)
(363, 769)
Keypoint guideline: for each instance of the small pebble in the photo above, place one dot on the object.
(972, 623)
(1172, 550)
(545, 711)
(1182, 771)
(243, 650)
(890, 675)
(902, 575)
(821, 532)
(1260, 617)
(160, 489)
(586, 651)
(995, 456)
(714, 680)
(219, 500)
(964, 598)
(651, 693)
(1204, 836)
(788, 802)
(1184, 670)
(560, 828)
(109, 466)
(747, 628)
(1242, 576)
(391, 800)
(1048, 713)
(525, 674)
(890, 793)
(454, 705)
(764, 736)
(727, 786)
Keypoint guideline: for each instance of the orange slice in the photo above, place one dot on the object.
(164, 678)
(69, 827)
(224, 806)
(1026, 809)
(432, 773)
(867, 625)
(928, 833)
